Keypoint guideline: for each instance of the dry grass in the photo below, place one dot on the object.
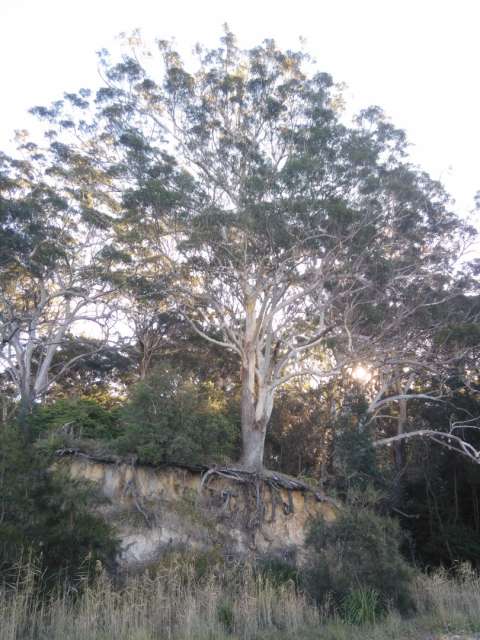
(453, 604)
(174, 604)
(177, 604)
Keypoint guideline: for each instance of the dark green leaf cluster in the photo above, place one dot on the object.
(48, 515)
(360, 550)
(79, 418)
(172, 419)
(354, 459)
(29, 212)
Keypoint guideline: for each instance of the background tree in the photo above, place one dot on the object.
(52, 276)
(102, 371)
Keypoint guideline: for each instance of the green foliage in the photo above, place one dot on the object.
(464, 334)
(47, 514)
(29, 214)
(359, 551)
(441, 490)
(96, 369)
(226, 616)
(278, 571)
(79, 418)
(361, 606)
(299, 437)
(170, 419)
(354, 459)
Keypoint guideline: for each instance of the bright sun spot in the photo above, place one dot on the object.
(361, 374)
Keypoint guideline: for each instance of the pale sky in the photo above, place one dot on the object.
(418, 60)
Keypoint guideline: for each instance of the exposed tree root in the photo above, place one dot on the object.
(131, 491)
(253, 485)
(272, 479)
(109, 458)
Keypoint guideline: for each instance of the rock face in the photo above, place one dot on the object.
(155, 510)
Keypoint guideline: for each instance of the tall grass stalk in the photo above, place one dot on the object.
(173, 604)
(454, 603)
(224, 603)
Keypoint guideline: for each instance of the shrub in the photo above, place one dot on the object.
(356, 554)
(354, 458)
(80, 417)
(47, 514)
(170, 419)
(278, 571)
(226, 616)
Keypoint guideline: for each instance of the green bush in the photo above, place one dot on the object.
(226, 616)
(80, 418)
(47, 515)
(170, 419)
(358, 553)
(278, 571)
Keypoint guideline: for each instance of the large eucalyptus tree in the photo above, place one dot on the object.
(298, 242)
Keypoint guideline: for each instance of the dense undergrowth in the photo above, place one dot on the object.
(48, 514)
(167, 417)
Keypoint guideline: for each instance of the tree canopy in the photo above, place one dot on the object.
(231, 196)
(300, 243)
